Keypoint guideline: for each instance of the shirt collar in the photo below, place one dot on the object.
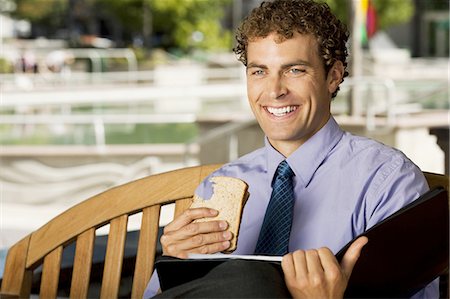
(274, 158)
(307, 158)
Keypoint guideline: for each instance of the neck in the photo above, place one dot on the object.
(286, 148)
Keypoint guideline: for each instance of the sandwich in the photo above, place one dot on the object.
(229, 197)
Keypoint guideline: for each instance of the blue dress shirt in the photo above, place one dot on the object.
(343, 185)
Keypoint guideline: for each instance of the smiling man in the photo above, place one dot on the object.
(288, 89)
(334, 185)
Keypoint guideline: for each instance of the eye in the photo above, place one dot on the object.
(256, 72)
(295, 71)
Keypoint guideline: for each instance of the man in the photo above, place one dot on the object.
(295, 55)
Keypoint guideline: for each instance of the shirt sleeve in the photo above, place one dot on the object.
(396, 185)
(152, 287)
(431, 291)
(205, 190)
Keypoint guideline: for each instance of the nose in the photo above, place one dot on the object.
(277, 88)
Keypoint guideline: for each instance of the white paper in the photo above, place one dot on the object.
(196, 256)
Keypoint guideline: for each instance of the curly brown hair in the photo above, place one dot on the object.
(303, 16)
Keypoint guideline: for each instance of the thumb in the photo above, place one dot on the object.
(352, 254)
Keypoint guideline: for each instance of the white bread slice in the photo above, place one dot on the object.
(229, 197)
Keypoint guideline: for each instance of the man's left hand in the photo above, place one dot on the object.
(317, 274)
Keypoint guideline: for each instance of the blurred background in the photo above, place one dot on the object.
(95, 93)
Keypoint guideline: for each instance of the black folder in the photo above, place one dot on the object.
(406, 251)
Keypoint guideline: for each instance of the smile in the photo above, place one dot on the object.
(281, 111)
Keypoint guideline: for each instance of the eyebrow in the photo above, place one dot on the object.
(283, 66)
(299, 62)
(255, 65)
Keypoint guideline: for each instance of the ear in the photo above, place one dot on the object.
(335, 75)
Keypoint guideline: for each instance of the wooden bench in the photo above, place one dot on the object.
(43, 249)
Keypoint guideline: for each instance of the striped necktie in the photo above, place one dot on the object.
(276, 228)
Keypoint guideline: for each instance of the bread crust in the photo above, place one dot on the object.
(229, 197)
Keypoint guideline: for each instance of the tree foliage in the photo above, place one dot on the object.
(389, 12)
(393, 12)
(195, 23)
(126, 12)
(47, 12)
(175, 24)
(182, 24)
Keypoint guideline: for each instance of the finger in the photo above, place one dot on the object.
(207, 243)
(300, 264)
(352, 254)
(198, 228)
(186, 233)
(313, 263)
(188, 216)
(212, 248)
(287, 264)
(202, 240)
(327, 258)
(330, 264)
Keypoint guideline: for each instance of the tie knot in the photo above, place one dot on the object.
(284, 170)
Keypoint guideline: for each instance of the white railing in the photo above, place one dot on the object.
(98, 121)
(125, 95)
(228, 131)
(371, 89)
(177, 104)
(46, 80)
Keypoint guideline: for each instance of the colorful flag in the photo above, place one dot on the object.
(369, 20)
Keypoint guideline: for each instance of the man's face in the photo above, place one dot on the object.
(288, 89)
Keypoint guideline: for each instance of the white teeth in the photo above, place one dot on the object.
(281, 111)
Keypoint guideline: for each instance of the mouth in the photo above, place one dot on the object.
(280, 111)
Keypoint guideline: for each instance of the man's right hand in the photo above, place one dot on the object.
(182, 236)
